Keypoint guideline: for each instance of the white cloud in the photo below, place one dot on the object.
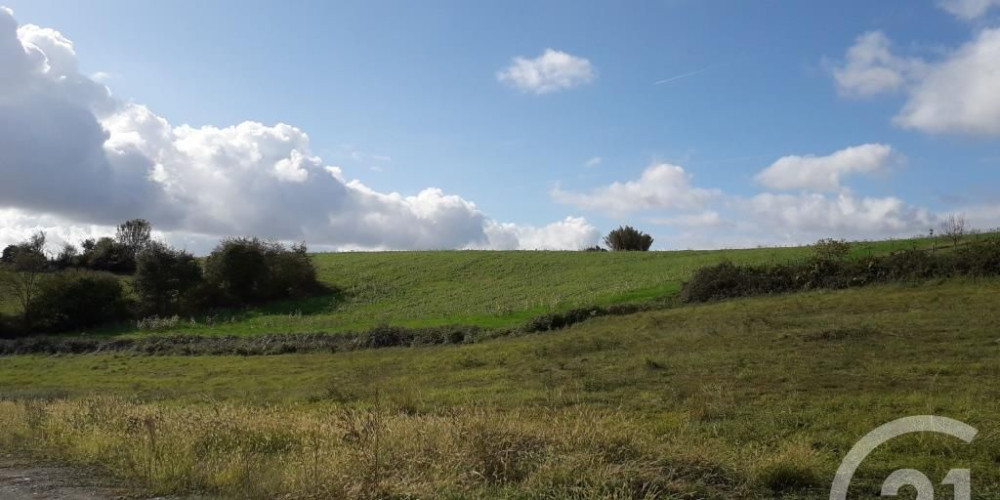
(661, 186)
(842, 215)
(824, 173)
(17, 225)
(571, 233)
(870, 67)
(593, 162)
(956, 94)
(794, 219)
(960, 94)
(706, 219)
(709, 218)
(553, 70)
(71, 152)
(968, 9)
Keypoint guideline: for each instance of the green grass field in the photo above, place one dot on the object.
(479, 288)
(756, 398)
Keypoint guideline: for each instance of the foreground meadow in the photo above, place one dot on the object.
(755, 398)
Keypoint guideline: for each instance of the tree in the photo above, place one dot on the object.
(953, 228)
(248, 269)
(35, 243)
(627, 238)
(163, 277)
(108, 255)
(23, 274)
(68, 257)
(8, 254)
(133, 235)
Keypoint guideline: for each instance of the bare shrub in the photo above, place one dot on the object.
(953, 228)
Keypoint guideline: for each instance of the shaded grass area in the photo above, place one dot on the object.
(379, 337)
(755, 398)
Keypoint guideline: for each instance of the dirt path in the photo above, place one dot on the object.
(20, 480)
(49, 483)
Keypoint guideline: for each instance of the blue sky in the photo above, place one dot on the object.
(402, 96)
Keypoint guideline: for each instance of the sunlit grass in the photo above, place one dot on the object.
(756, 398)
(479, 288)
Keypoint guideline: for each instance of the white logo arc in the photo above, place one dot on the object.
(886, 432)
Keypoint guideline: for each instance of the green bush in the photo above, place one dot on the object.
(249, 270)
(979, 259)
(627, 238)
(78, 299)
(163, 279)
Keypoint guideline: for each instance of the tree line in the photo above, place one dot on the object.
(78, 289)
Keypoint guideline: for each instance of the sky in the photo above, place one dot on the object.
(498, 125)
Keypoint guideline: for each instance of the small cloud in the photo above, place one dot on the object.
(351, 151)
(101, 76)
(824, 173)
(661, 186)
(871, 68)
(709, 218)
(968, 10)
(593, 162)
(552, 71)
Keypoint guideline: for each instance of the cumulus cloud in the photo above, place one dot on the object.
(552, 71)
(69, 150)
(960, 93)
(593, 162)
(17, 225)
(823, 207)
(968, 9)
(661, 186)
(824, 173)
(843, 214)
(870, 67)
(573, 232)
(956, 94)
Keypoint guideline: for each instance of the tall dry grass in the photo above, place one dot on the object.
(375, 452)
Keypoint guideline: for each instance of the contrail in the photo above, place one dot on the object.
(683, 76)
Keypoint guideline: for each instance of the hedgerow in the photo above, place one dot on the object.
(727, 280)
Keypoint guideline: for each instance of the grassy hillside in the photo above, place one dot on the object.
(755, 398)
(481, 288)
